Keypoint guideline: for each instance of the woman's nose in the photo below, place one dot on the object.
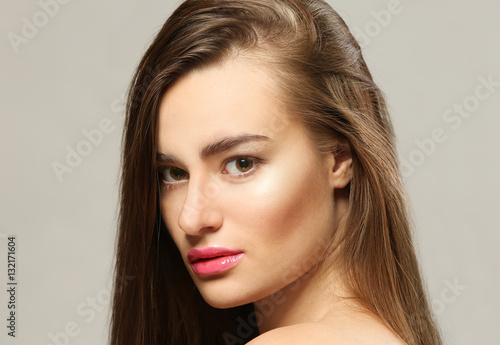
(200, 212)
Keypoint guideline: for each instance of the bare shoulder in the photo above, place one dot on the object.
(320, 333)
(304, 333)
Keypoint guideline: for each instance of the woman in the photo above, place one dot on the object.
(261, 196)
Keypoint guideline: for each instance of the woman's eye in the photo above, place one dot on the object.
(240, 165)
(173, 174)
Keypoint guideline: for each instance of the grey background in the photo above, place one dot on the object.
(72, 73)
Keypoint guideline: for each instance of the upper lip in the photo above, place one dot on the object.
(210, 252)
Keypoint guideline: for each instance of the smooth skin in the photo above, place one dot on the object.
(239, 171)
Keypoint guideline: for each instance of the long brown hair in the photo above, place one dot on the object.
(325, 81)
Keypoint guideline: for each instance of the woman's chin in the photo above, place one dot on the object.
(222, 300)
(223, 297)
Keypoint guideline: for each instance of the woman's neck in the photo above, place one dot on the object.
(310, 298)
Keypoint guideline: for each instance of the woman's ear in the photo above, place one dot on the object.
(341, 167)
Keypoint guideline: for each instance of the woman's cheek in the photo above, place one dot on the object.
(271, 203)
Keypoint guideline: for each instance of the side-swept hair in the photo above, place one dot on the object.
(325, 81)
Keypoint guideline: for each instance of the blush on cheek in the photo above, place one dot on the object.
(285, 203)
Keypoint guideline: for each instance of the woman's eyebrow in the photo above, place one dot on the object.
(166, 158)
(215, 148)
(228, 143)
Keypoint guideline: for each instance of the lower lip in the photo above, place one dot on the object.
(216, 265)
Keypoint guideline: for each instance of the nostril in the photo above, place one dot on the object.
(195, 221)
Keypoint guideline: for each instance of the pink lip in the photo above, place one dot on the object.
(213, 260)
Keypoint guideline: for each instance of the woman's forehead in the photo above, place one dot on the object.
(222, 100)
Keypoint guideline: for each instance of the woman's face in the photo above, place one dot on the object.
(246, 196)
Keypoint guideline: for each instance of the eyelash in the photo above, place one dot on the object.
(256, 163)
